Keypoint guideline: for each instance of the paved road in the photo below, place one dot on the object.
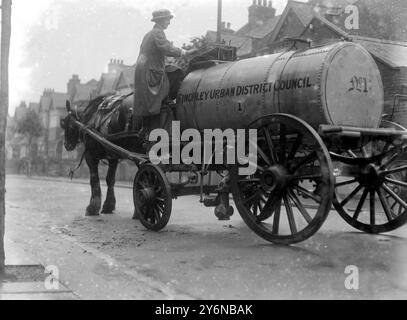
(196, 256)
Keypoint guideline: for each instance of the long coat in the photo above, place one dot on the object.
(151, 85)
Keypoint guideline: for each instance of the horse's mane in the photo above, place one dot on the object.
(90, 109)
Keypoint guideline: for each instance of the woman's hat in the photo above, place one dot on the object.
(161, 14)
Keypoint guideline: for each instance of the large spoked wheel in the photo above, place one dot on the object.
(373, 198)
(152, 197)
(289, 197)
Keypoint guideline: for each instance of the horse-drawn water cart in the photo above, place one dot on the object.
(320, 141)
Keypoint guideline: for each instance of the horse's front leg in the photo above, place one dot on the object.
(110, 204)
(96, 199)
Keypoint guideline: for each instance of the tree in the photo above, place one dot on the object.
(31, 127)
(4, 102)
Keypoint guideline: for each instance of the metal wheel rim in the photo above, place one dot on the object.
(324, 206)
(376, 193)
(152, 197)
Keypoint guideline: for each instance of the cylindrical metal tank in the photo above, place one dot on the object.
(339, 84)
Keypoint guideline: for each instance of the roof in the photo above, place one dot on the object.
(84, 92)
(59, 100)
(126, 78)
(390, 52)
(333, 3)
(378, 18)
(45, 103)
(304, 11)
(92, 82)
(107, 83)
(243, 44)
(263, 30)
(54, 100)
(329, 24)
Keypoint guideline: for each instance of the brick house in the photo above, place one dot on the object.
(390, 56)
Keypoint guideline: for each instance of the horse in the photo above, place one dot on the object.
(115, 123)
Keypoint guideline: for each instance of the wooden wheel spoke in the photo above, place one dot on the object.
(255, 208)
(290, 215)
(396, 170)
(388, 212)
(270, 145)
(364, 152)
(309, 158)
(264, 156)
(252, 198)
(396, 182)
(351, 154)
(295, 147)
(360, 204)
(345, 183)
(283, 143)
(307, 193)
(157, 215)
(372, 208)
(395, 196)
(300, 207)
(389, 161)
(276, 220)
(154, 213)
(350, 197)
(270, 205)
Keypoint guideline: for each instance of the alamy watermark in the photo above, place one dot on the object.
(211, 147)
(352, 279)
(51, 282)
(352, 20)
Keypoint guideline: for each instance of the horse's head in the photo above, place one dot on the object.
(72, 134)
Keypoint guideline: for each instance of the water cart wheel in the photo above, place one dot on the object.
(289, 197)
(152, 197)
(374, 199)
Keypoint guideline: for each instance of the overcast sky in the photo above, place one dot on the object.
(53, 39)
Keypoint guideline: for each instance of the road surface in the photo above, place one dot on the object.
(196, 256)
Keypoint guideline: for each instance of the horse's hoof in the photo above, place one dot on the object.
(92, 212)
(108, 211)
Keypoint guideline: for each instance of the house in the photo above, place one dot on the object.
(390, 57)
(118, 75)
(375, 18)
(20, 111)
(52, 110)
(81, 92)
(125, 82)
(269, 32)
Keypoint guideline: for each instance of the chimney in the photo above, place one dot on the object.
(115, 66)
(260, 13)
(72, 85)
(227, 27)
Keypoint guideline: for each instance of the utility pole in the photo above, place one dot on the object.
(4, 103)
(219, 33)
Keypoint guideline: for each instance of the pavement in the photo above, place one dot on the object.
(195, 257)
(15, 289)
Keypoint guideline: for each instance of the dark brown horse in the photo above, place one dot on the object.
(115, 123)
(112, 126)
